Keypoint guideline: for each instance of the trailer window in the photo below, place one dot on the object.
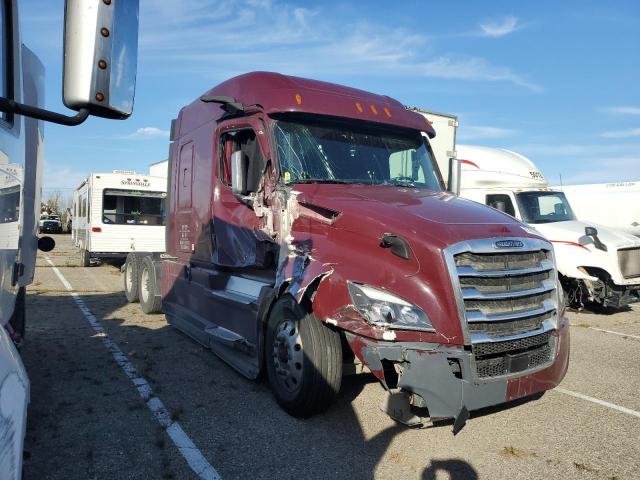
(9, 204)
(332, 151)
(133, 207)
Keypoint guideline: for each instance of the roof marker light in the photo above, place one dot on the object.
(359, 107)
(387, 112)
(374, 110)
(298, 99)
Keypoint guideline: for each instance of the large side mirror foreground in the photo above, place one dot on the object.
(453, 179)
(238, 177)
(100, 56)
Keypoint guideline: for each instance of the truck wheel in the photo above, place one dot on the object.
(131, 267)
(150, 302)
(303, 359)
(85, 258)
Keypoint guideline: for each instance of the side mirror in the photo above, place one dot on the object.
(100, 56)
(499, 205)
(238, 176)
(593, 233)
(453, 179)
(46, 244)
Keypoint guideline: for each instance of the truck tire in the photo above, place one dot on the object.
(150, 300)
(131, 277)
(85, 258)
(303, 359)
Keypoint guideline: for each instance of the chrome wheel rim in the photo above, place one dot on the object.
(288, 356)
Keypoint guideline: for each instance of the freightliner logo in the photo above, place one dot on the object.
(508, 244)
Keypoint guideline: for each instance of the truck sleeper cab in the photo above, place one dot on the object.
(597, 264)
(309, 236)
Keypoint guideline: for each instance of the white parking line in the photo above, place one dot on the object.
(615, 333)
(181, 440)
(610, 405)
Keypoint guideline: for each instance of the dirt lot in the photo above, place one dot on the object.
(88, 420)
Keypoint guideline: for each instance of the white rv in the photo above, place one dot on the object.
(596, 263)
(611, 204)
(117, 213)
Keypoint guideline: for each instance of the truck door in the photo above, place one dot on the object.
(244, 257)
(239, 237)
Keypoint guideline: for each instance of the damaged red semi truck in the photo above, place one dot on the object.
(309, 235)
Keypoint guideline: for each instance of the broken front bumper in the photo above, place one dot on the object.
(443, 378)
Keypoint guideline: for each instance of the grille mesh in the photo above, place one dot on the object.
(509, 327)
(629, 261)
(504, 284)
(511, 346)
(500, 261)
(508, 305)
(495, 367)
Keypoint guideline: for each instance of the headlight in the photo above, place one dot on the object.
(380, 307)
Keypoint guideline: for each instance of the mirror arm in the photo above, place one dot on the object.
(11, 106)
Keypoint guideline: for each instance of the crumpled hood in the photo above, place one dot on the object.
(410, 212)
(573, 231)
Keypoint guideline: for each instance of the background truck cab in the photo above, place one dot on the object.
(596, 263)
(309, 235)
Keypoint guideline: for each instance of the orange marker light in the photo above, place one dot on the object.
(387, 112)
(374, 110)
(359, 107)
(298, 99)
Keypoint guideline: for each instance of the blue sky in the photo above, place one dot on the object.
(555, 81)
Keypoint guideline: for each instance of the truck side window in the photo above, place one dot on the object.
(501, 202)
(246, 141)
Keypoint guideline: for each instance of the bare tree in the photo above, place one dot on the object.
(53, 202)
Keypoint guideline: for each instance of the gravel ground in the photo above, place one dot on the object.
(86, 419)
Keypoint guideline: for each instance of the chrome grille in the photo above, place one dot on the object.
(629, 260)
(509, 302)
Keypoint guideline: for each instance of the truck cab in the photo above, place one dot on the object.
(310, 236)
(597, 264)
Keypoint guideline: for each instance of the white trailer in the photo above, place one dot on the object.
(596, 263)
(117, 213)
(612, 204)
(443, 144)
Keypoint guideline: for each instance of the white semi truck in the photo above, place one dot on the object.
(96, 31)
(597, 264)
(117, 213)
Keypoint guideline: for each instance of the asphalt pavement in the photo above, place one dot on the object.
(90, 416)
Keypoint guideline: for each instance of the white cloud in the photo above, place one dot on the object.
(149, 132)
(600, 170)
(501, 27)
(631, 132)
(624, 110)
(470, 132)
(274, 35)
